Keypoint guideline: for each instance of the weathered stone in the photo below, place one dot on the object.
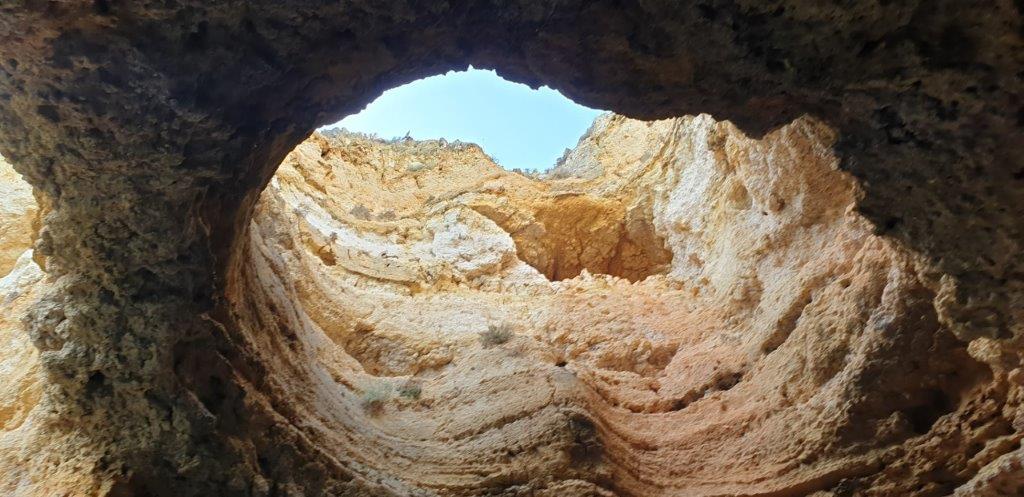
(763, 349)
(17, 214)
(149, 129)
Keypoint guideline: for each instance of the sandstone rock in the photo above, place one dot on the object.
(748, 334)
(17, 214)
(149, 130)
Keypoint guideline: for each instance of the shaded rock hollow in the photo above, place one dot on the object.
(753, 356)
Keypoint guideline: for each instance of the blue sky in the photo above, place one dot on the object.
(518, 126)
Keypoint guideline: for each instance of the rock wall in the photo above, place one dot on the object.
(148, 130)
(17, 215)
(675, 309)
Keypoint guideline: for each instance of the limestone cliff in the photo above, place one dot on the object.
(149, 131)
(676, 309)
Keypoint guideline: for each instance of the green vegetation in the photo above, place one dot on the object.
(496, 335)
(375, 396)
(410, 390)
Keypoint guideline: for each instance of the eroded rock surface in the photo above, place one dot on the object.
(149, 129)
(17, 214)
(689, 311)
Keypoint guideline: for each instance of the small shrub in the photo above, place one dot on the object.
(496, 335)
(361, 212)
(376, 396)
(410, 390)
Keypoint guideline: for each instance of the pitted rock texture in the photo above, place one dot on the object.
(926, 97)
(149, 129)
(779, 347)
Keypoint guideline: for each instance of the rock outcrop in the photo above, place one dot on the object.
(675, 309)
(148, 131)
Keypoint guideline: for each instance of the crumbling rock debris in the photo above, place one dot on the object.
(775, 327)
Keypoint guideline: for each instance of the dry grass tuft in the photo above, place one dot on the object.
(496, 335)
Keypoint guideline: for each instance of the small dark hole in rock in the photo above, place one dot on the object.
(890, 224)
(101, 7)
(49, 112)
(922, 417)
(197, 39)
(724, 384)
(97, 381)
(707, 12)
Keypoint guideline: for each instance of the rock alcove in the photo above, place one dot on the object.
(856, 269)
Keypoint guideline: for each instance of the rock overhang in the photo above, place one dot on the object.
(140, 120)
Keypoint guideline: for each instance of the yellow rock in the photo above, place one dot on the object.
(675, 309)
(17, 211)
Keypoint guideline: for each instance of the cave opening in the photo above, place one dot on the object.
(637, 277)
(659, 268)
(529, 160)
(175, 333)
(521, 128)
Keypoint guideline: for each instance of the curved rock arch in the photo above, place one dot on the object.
(150, 128)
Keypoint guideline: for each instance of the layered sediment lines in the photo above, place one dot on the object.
(674, 310)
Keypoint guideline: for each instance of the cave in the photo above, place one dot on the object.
(827, 302)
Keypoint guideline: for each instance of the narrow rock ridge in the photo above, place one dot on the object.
(676, 309)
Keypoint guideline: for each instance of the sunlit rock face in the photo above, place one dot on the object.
(20, 385)
(676, 309)
(149, 131)
(17, 214)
